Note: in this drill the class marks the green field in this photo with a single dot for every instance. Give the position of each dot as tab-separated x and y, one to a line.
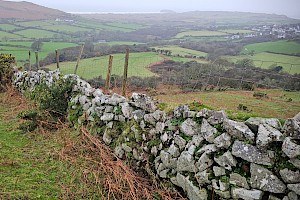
284	47
65	28
176	50
7	27
36	33
199	34
118	43
236	31
8	36
94	67
265	60
276	106
35	23
21	53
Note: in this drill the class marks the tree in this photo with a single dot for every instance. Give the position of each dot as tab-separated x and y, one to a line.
36	45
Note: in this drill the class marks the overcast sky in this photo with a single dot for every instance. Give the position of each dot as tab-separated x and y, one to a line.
290	8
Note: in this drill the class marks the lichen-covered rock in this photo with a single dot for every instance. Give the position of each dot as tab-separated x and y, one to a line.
106	137
144	102
294	187
207	149
126	110
238	180
254	123
291	127
250	153
119	152
207	131
174	151
138	115
267	134
246	194
265	180
149	119
217	117
190	127
197	140
180	142
107	117
223	194
189	114
186	162
223	141
126	148
292	196
295	162
193	192
219	171
290	148
203	163
178	111
203	177
226	160
238	130
289	176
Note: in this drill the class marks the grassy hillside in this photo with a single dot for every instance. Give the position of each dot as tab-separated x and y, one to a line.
290	64
176	50
94	67
285	47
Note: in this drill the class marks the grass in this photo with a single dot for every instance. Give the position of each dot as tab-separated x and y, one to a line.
65	28
21	44
276	106
285	47
119	43
236	31
8	36
199	34
36	33
7	27
38	23
95	67
265	60
176	50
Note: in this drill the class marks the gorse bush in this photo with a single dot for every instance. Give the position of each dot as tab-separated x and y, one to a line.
6	70
54	99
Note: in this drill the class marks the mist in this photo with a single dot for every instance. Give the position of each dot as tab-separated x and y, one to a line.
287	7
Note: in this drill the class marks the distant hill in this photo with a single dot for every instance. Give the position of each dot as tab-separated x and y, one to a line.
27	11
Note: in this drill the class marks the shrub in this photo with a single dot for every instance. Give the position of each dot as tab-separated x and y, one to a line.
260	95
6	70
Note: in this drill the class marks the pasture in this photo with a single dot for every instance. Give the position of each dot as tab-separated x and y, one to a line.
36	33
95	67
8	36
284	47
236	31
199	34
277	105
7	27
290	64
176	50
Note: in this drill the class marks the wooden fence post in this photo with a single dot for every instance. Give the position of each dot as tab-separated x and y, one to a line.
29	57
37	60
125	73
78	59
107	84
57	59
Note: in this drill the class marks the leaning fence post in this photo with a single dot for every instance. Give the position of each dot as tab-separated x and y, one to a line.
125	73
78	59
29	57
37	60
57	59
107	84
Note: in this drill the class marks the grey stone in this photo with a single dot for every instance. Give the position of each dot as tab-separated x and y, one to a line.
226	160
193	192
186	162
190	127
107	117
174	151
267	134
219	171
197	140
290	148
83	99
154	151
136	155
109	109
223	185
238	130
191	149
167	160
159	115
294	187
265	180
254	123
284	198
97	93
295	162
119	151
214	184
126	110
223	194
208	131
160	126
126	148
217	117
250	153
246	194
144	102
115	99
86	106
189	114
292	196
208	149
180	142
203	177
223	141
272	197
106	137
143	125
138	115
204	113
164	173
150	119
89	91
238	180
178	111
289	176
291	127
203	163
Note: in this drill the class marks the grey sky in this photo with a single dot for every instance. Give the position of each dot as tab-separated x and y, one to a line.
290	8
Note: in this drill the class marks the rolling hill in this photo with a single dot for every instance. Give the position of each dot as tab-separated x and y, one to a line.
28	11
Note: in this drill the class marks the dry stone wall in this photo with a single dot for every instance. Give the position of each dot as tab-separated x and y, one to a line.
199	152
